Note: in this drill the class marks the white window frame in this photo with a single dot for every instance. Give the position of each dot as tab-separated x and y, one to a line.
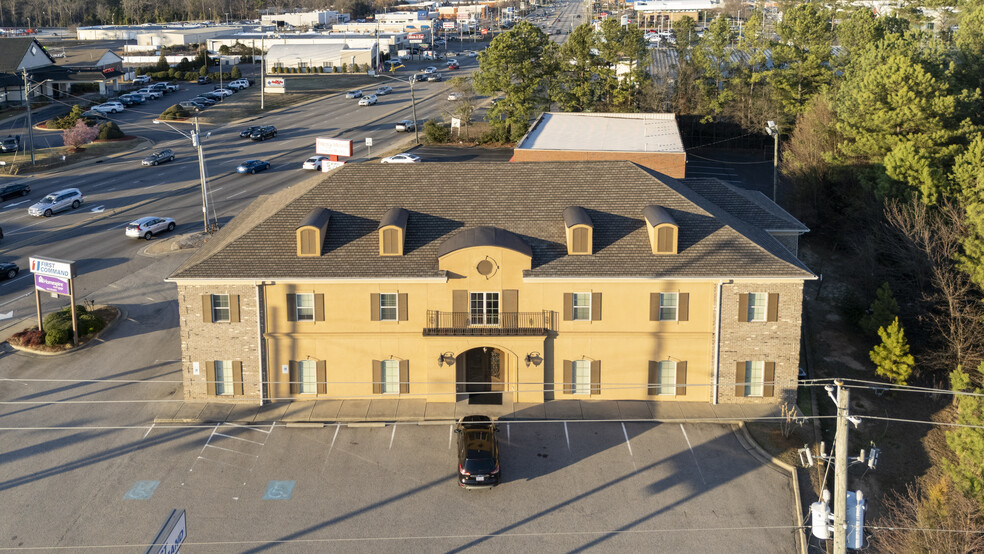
224	382
395	307
664	304
666	378
753	306
581	377
753	386
307	386
488	315
308	310
389	375
585	309
216	309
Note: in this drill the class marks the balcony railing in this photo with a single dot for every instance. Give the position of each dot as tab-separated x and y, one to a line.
489	324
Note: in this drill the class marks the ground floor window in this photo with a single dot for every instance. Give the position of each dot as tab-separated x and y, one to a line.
666	378
307	377
224	385
391	376
581	375
754	378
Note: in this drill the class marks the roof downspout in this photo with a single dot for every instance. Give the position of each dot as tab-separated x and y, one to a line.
716	364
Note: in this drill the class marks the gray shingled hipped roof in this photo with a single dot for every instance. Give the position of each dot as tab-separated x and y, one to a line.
526	199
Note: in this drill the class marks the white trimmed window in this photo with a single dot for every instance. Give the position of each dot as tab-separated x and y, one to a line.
666	377
582	306
758	303
668	304
224	385
220	308
484	308
391	376
581	375
387	307
307	376
754	378
305	306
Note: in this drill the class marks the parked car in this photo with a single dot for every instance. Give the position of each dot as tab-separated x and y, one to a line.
147	227
383	90
245	133
204	80
125	100
8	270
453	96
14	189
94	115
435	77
405	126
134	97
353	94
404	158
368	100
497	100
192	105
159	87
478	452
223	91
109	107
151	93
203	100
141	79
211	95
314	162
56	202
171	86
263	133
166	155
252	166
10	144
238	84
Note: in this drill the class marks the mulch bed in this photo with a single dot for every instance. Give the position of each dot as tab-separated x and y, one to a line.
107	313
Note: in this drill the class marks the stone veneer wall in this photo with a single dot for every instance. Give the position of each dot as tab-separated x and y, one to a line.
777	341
203	342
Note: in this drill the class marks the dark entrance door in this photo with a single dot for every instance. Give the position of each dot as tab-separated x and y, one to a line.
483	376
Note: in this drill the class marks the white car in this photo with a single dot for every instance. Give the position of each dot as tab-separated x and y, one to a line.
452	61
354	94
430	69
314	162
56	202
452	96
368	100
149	93
110	107
404	158
147	227
223	92
383	90
472	53
141	79
238	84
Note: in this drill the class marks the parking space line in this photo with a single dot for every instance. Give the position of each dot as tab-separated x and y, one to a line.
568	437
238	439
508	435
392	436
231	450
627	443
149	429
450	435
335	436
694	454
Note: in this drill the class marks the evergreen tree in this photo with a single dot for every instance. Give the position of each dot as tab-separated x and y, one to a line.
967	443
859	29
712	59
968	184
883	310
891	358
236	73
801	57
575	89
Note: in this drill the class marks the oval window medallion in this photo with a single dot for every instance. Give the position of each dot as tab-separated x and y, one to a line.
486	267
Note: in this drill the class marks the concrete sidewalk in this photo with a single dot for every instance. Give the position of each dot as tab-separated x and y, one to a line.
319	412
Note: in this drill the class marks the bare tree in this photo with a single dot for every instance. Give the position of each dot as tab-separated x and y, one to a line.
942	521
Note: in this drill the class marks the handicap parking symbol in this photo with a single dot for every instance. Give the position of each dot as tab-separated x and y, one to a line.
279	490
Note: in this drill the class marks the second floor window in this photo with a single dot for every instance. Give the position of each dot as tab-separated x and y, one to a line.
388	307
220	307
484	308
758	303
582	306
305	307
668	302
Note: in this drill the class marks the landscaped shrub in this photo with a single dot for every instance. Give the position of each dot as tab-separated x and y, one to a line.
344	68
54	337
110	130
203	71
235	73
175	112
435	131
90	323
29	337
68	120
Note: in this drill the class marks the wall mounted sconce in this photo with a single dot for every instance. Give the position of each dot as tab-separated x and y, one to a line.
445	358
534	358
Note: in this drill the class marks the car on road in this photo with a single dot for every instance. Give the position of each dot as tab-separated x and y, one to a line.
498	99
368	100
14	189
405	126
245	133
404	158
223	91
141	79
252	166
452	96
56	202
238	84
314	162
150	93
110	107
353	94
147	227
10	144
204	80
8	270
383	90
471	53
478	452
453	65
263	133
166	155
435	77
430	69
418	77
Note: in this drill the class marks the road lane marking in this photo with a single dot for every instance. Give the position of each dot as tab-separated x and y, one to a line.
332	445
18	298
694	454
626	433
237	194
149	429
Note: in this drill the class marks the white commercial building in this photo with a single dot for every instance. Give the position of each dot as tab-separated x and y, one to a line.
304	19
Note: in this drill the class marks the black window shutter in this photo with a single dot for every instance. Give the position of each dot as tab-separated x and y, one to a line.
291	307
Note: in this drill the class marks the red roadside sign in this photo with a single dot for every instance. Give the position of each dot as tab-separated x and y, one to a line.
415	36
485	31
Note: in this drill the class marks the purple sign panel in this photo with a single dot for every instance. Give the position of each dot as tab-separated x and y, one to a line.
51	284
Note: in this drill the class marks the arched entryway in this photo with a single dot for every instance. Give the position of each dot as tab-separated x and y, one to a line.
481	375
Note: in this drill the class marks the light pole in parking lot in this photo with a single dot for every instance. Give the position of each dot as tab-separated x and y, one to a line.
413	103
773	131
27	102
196	141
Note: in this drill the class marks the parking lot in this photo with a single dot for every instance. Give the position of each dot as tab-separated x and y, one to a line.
573	486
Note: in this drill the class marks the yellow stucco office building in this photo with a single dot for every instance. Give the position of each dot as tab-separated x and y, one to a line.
497	283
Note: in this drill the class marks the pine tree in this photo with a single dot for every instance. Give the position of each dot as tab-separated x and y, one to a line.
883	310
891	357
967	443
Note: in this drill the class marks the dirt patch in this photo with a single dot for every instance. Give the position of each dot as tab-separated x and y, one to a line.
246	104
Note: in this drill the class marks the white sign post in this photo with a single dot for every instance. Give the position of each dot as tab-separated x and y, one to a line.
369	146
61	275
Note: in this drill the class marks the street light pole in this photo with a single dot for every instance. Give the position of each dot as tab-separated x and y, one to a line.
196	141
30	124
413	105
773	130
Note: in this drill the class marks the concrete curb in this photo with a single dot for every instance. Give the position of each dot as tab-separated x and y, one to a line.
120	313
753	448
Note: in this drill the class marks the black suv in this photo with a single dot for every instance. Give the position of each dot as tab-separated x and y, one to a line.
263	133
478	452
14	189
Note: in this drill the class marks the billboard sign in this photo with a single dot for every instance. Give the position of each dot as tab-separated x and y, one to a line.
416	36
448	24
485	31
52	267
332	147
57	285
275	82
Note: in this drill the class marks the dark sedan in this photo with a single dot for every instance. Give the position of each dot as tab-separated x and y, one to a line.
263	133
478	452
248	131
8	270
14	189
252	166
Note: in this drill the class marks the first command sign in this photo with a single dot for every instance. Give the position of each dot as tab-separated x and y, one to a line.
52	267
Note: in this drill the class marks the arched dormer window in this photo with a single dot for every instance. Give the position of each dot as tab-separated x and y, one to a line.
310	234
580	231
392	232
663	230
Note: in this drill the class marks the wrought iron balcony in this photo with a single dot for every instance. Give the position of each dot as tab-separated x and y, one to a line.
463	324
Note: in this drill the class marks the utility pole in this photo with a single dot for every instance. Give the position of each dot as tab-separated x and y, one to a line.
196	140
413	106
30	124
262	69
840	471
